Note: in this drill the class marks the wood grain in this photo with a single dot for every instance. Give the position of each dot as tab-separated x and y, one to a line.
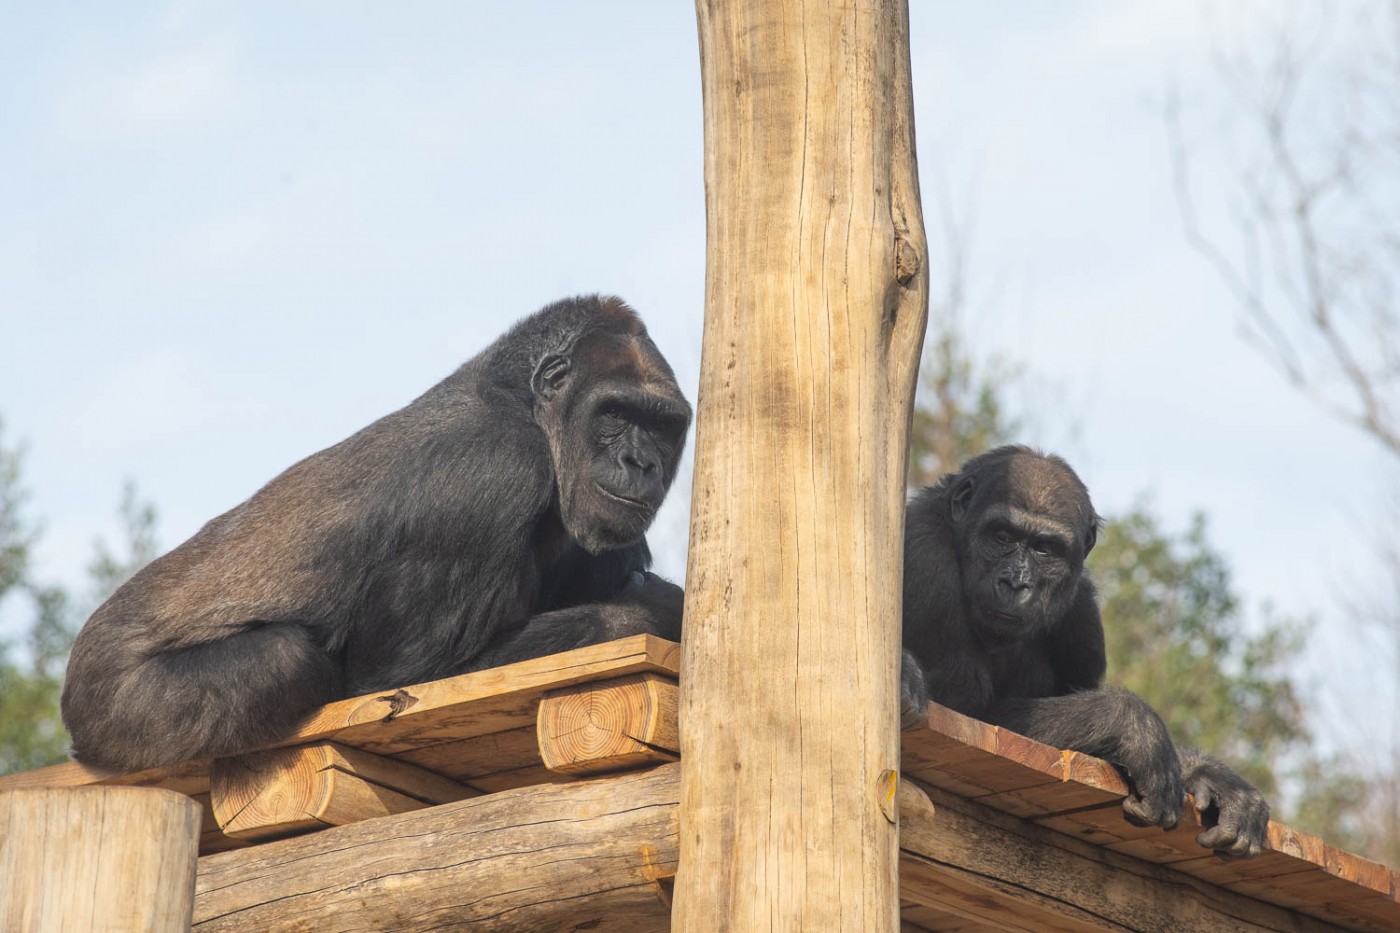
610	725
118	859
815	306
587	855
284	791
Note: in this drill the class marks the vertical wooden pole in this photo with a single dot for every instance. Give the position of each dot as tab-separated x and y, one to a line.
816	301
119	859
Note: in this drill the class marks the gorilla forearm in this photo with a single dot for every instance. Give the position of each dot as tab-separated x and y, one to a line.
1114	725
650	606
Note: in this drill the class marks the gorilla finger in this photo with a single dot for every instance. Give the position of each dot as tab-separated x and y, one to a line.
1142	811
912	716
1240	848
1202	797
1223	836
1138	812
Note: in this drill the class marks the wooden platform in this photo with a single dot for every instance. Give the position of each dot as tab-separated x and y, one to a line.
543	795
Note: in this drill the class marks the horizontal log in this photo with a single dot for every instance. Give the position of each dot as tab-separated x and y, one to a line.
990	867
599	853
587	855
284	791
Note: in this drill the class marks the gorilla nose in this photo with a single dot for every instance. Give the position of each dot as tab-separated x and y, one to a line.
640	462
1014	588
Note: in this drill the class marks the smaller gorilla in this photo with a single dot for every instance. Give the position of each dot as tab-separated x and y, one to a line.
498	517
1001	623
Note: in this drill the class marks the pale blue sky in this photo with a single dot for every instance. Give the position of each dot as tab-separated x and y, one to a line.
233	233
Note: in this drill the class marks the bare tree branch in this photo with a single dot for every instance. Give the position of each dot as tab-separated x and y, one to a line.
1317	267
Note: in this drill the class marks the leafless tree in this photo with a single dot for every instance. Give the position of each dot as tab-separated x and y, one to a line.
1309	154
1306	160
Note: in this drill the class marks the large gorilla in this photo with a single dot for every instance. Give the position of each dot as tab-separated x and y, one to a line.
1001	623
498	517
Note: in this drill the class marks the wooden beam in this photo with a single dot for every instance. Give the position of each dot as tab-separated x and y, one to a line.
610	725
285	791
988	866
1081	798
815	307
416	717
97	858
480	703
588	855
598	855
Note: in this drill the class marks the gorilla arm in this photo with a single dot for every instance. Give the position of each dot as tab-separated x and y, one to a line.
647	604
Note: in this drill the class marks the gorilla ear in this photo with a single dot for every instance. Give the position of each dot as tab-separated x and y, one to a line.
1091	537
549	376
962	494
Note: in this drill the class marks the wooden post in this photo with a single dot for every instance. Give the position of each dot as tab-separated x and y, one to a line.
815	307
97	858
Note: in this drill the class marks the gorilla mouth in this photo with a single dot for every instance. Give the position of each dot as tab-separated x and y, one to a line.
1008	623
628	501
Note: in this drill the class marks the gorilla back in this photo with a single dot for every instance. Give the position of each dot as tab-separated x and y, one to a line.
499	516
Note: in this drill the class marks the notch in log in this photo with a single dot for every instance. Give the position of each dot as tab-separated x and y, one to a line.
609	725
286	791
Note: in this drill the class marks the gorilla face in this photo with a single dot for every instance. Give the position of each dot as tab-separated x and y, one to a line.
1022	534
616	424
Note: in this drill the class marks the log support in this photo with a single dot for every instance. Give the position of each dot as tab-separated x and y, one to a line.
285	791
815	307
97	858
600	855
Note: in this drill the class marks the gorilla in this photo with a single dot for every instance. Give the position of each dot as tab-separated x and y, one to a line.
500	516
1001	623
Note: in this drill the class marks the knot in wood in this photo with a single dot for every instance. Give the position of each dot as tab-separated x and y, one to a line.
906	261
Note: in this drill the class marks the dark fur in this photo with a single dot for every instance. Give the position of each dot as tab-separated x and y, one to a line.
1007	629
498	517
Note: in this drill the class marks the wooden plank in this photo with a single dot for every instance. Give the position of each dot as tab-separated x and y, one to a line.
469	760
480	703
190	777
1009	771
915	918
284	791
609	725
964	756
588	855
119	859
1012	872
420	715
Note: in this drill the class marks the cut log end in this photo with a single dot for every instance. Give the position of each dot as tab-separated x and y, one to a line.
609	726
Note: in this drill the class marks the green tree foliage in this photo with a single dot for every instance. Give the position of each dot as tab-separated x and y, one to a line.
31	680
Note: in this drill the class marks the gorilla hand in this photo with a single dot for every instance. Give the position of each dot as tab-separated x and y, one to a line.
1235	814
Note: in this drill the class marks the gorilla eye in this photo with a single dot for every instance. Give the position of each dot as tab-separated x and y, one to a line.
1002	536
611	421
